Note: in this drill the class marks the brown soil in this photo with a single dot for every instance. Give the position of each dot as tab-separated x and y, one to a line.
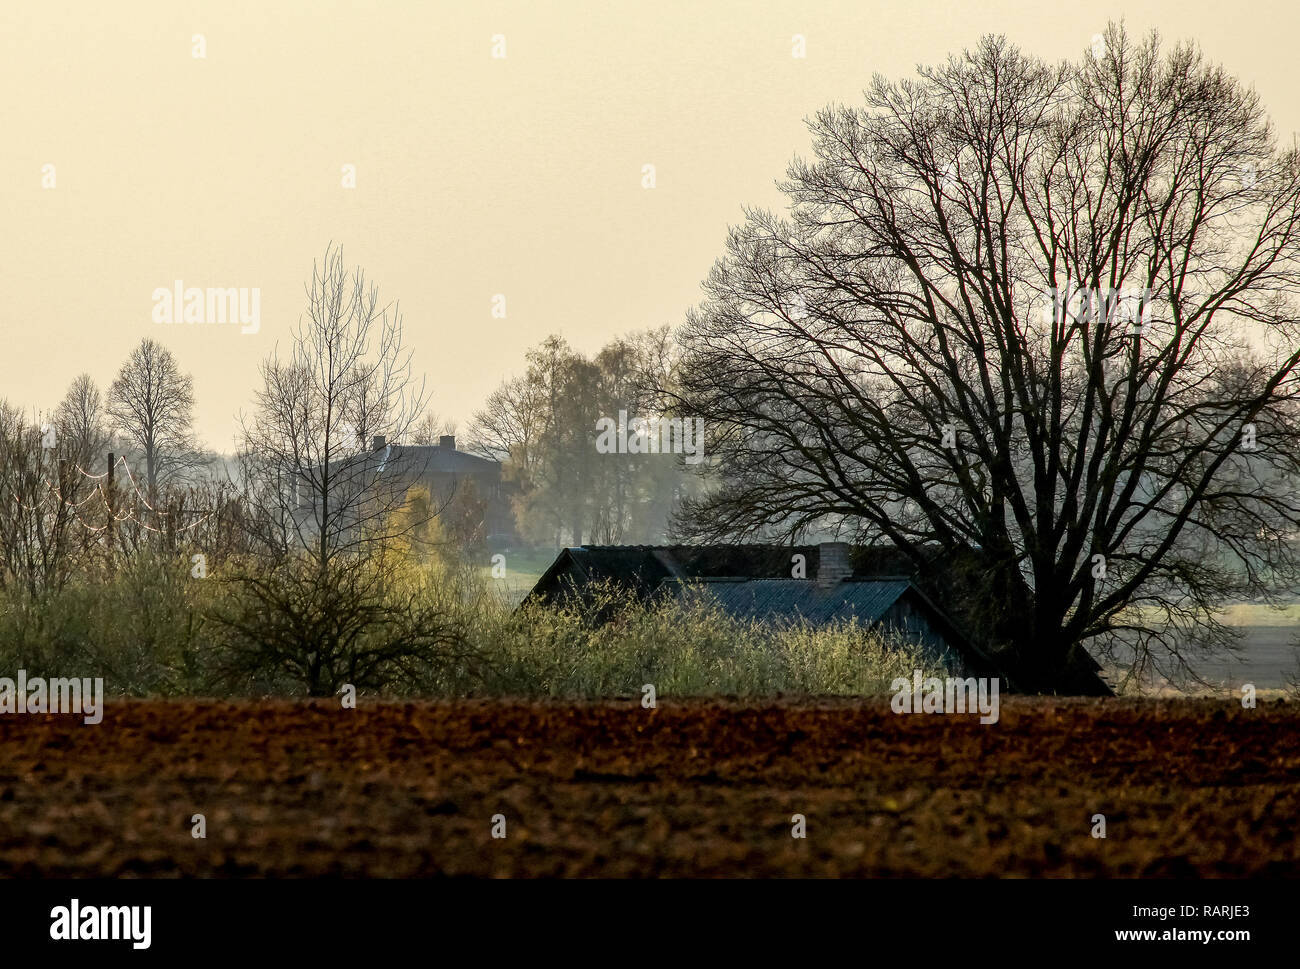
692	788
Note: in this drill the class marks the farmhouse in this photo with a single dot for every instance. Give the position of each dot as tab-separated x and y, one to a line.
769	584
442	470
819	584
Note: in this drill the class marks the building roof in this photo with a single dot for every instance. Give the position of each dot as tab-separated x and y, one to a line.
775	600
433	459
643	568
418	460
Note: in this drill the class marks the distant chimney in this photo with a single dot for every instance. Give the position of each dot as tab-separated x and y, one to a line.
833	565
377	442
447	442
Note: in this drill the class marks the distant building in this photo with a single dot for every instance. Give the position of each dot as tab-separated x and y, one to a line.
447	474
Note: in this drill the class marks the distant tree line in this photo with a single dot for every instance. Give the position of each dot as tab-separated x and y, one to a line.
541	426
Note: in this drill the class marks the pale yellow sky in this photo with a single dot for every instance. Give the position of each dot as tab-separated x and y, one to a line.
474	175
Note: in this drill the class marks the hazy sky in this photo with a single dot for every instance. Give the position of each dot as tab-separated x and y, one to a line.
474	175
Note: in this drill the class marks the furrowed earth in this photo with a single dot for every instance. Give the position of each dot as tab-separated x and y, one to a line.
691	788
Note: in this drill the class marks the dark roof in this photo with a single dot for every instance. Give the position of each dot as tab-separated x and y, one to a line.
433	459
418	460
866	600
644	568
649	565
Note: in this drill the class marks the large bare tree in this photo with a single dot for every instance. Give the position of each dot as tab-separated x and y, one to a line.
1038	317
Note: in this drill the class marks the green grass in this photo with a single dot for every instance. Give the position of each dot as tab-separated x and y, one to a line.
145	630
523	568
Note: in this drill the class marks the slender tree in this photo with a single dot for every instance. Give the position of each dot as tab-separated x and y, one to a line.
151	404
323	598
80	419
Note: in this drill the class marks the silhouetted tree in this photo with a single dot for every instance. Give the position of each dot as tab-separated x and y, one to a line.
1040	315
151	403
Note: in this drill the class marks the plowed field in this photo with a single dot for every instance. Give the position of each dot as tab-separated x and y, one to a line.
692	788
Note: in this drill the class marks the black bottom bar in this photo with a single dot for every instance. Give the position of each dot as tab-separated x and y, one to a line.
607	919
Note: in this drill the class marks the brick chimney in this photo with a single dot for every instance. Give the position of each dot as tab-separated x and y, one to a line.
833	565
447	442
377	442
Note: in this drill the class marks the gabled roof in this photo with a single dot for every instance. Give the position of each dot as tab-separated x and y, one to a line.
868	601
417	460
644	567
441	460
769	600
